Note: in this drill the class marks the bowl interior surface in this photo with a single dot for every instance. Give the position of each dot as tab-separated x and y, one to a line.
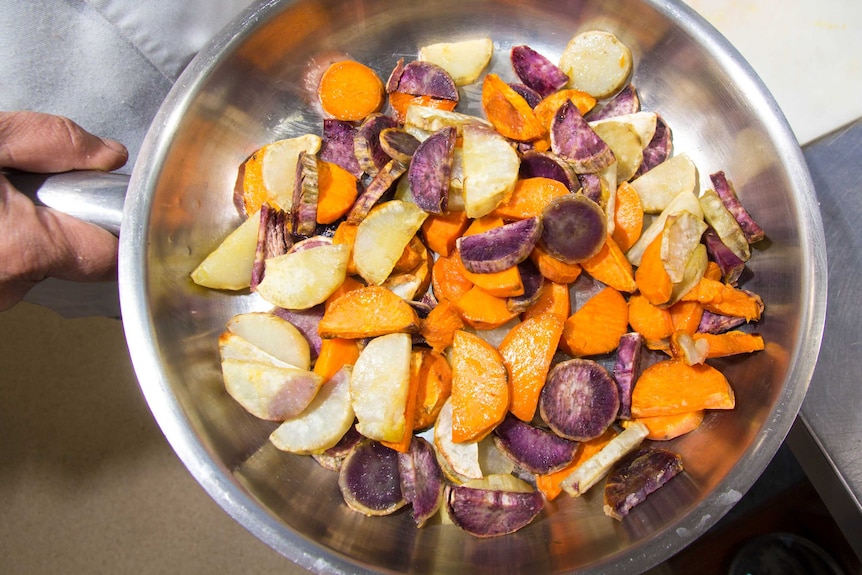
255	84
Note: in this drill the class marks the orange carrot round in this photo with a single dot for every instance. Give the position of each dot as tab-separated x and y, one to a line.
671	387
350	91
433	385
337	192
597	327
529	198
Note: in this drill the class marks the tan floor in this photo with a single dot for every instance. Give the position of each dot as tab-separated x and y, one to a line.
88	484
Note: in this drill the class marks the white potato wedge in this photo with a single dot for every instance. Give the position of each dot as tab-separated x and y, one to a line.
501	482
596	63
694	270
431	120
464	60
303	279
684	201
593	469
379	385
459	461
229	265
278	167
233	346
325	421
724	224
664	182
644	123
274	335
382	236
626	145
490	170
681	235
270	391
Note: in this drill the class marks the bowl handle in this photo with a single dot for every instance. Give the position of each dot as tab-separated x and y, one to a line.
89	195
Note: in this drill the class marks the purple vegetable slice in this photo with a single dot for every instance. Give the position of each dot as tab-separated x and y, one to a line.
305	195
331	458
533	281
625	102
531	96
398	144
717	323
306	321
536	71
369	479
731	265
431	169
422	480
580	399
422	78
548	165
627	369
591	187
637	475
753	232
378	186
273	239
534	449
659	148
574	228
574	140
337	145
366	143
490	513
500	248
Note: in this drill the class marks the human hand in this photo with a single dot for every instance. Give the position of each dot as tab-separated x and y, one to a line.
38	242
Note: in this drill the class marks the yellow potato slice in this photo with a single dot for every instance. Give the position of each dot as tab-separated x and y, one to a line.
382	236
663	183
229	265
379	385
596	63
490	170
303	279
274	335
464	60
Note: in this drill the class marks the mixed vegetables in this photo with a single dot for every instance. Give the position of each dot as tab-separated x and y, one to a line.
472	315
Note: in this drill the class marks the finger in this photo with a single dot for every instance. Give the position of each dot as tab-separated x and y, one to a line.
36	142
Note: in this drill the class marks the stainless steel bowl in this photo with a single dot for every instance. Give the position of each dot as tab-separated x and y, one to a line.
249	87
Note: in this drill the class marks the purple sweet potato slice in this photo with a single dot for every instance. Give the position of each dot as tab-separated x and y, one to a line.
305	195
591	186
536	71
717	323
331	458
306	321
580	399
422	480
731	265
337	145
273	239
637	475
310	242
431	169
625	102
366	143
398	144
753	232
548	165
421	78
574	140
370	480
659	148
531	96
627	369
490	513
533	281
500	248
532	448
379	185
574	228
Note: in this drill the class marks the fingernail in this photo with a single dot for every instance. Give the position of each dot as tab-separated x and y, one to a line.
116	146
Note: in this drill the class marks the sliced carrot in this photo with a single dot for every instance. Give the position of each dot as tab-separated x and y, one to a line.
685	316
483	311
349	90
651	276
549	484
508	111
527	352
553	269
401	101
337	192
434	385
441	231
671	387
447	279
403	445
611	267
480	388
725	299
628	216
554	299
483	224
651	321
713	271
547	108
254	193
334	354
667	427
730	343
369	311
414	254
439	326
350	283
504	283
597	327
345	234
529	198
